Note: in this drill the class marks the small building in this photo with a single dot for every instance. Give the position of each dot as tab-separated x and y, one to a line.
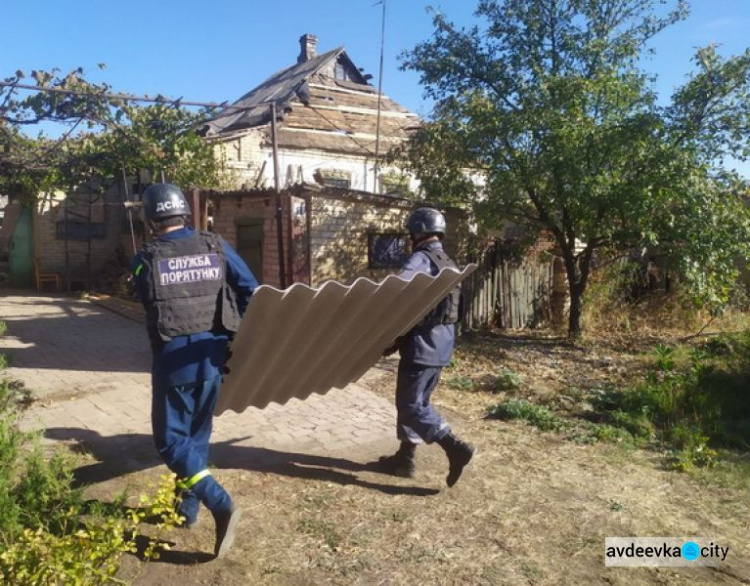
325	233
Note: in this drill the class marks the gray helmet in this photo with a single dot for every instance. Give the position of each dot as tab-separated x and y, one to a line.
426	221
163	200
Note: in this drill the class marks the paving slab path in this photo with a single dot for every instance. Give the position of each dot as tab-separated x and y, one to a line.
86	363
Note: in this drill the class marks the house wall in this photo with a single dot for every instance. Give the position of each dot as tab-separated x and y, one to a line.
339	236
245	156
340	225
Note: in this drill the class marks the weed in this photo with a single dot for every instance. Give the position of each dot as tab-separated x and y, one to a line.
47	533
320	529
536	415
694	401
505	381
461	383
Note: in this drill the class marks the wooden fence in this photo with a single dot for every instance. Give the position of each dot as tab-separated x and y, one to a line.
506	293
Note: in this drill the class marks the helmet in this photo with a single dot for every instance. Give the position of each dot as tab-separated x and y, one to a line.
426	221
163	200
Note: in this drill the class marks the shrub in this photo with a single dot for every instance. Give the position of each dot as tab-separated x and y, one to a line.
47	533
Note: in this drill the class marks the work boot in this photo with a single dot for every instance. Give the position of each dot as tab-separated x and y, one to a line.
459	455
226	526
401	463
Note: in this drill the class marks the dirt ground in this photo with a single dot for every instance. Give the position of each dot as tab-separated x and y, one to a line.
532	508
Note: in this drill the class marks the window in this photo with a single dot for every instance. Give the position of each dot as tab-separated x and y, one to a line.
386	251
80	230
333	178
336	182
339	72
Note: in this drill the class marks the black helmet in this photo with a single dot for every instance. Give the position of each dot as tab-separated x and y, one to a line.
163	200
426	221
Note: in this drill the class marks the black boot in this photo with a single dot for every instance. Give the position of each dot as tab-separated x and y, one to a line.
401	463
459	455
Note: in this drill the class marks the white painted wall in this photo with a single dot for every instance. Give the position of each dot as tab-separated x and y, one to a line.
245	155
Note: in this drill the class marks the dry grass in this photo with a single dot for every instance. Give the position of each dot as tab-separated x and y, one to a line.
533	508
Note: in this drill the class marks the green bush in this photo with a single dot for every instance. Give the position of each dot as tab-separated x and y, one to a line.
48	534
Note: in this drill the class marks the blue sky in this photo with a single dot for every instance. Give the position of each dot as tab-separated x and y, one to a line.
213	52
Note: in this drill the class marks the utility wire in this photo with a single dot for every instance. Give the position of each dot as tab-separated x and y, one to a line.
124	97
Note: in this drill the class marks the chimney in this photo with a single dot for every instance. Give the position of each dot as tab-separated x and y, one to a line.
308	43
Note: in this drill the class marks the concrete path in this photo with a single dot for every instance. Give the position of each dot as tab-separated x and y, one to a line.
87	364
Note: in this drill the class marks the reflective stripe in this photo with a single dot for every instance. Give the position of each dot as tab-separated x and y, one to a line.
138	269
194	479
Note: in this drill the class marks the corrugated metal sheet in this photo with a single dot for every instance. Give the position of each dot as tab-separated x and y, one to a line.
305	340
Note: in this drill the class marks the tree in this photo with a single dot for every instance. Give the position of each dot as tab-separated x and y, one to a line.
547	102
107	135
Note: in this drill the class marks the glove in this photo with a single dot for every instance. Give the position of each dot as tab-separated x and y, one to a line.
395	347
226	369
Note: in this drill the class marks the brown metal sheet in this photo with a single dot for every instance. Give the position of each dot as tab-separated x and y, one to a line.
303	340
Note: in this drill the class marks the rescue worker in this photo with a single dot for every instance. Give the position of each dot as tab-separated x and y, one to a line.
195	289
424	351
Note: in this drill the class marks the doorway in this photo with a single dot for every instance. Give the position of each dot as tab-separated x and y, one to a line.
250	244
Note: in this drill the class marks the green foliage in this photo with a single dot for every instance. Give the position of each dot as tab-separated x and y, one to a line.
694	401
48	534
106	137
545	102
461	383
693	406
505	381
536	415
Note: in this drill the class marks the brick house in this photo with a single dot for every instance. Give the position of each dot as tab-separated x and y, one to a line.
330	126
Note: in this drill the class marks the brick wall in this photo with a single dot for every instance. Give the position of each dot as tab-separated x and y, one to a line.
339	236
339	224
230	210
60	255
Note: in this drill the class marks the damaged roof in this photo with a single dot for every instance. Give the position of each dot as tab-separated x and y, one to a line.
326	103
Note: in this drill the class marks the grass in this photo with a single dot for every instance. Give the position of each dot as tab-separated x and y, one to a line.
693	401
536	415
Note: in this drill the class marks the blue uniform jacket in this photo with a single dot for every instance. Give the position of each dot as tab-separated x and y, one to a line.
187	359
426	345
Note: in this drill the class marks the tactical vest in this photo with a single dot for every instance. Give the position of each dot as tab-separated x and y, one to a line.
187	289
447	311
